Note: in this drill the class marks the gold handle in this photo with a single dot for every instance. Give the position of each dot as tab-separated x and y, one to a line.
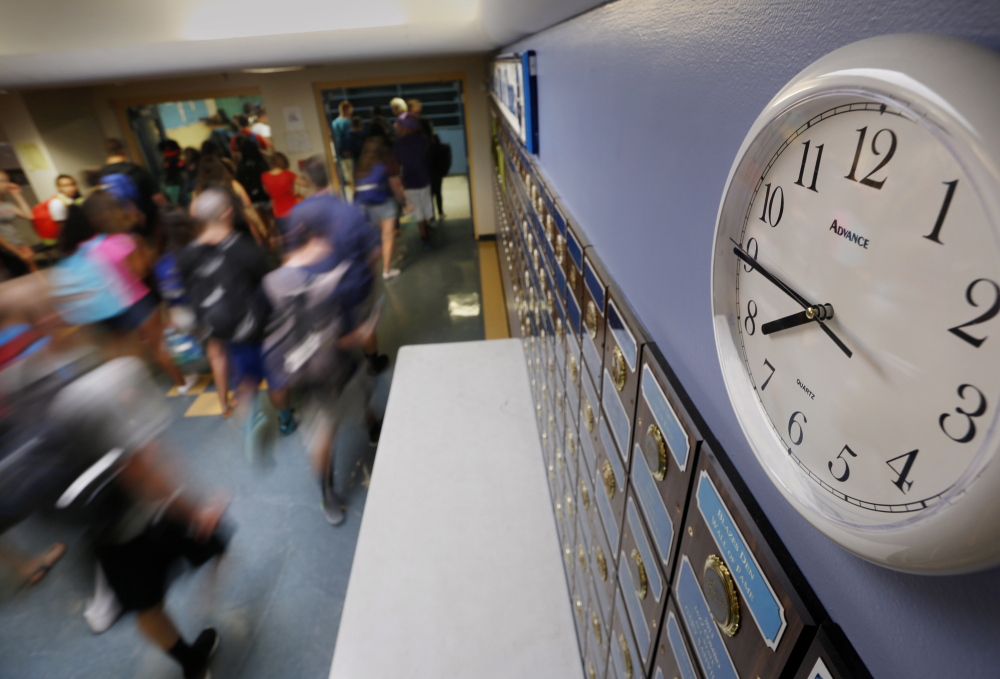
640	574
597	628
655	440
619	369
588	416
585	494
608	474
628	656
591	319
602	564
581	556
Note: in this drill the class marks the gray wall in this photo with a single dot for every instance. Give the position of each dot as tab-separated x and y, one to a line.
643	105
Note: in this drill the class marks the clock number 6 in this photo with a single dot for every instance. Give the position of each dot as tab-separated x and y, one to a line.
980	409
796	438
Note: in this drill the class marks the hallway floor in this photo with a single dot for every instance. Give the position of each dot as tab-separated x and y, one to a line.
277	596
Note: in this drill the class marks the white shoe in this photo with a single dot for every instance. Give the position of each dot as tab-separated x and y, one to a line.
391	273
103	610
189	382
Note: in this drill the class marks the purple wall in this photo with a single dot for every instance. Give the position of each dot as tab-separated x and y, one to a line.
643	106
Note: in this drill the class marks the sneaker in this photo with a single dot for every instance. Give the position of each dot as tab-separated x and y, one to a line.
203	648
332	510
377	363
256	438
189	382
103	610
374	432
391	273
289	425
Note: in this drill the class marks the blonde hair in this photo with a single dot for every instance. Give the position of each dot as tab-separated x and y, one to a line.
398	105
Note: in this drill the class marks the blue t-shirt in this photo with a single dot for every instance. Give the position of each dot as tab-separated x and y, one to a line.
341	129
411	153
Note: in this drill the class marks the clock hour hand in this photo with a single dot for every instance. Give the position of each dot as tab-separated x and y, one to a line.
753	264
819	312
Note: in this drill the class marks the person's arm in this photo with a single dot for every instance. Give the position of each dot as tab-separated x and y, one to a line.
21	208
257	227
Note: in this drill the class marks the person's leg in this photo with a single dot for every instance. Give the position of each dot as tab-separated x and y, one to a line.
158	627
151	335
282	403
436	195
218	359
388	227
31	570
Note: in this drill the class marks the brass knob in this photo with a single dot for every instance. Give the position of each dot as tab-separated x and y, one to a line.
579	608
581	556
657	444
559	510
720	593
568	555
591	319
628	656
574	370
570	512
588	416
552	473
596	623
584	494
619	369
602	564
639	574
608	474
559	460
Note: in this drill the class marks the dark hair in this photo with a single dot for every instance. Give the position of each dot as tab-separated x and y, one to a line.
191	155
114	147
250	154
65	176
317	172
241	120
212	172
280	160
100	208
373	152
176	229
76	229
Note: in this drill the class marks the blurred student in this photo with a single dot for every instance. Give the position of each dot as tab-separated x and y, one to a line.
378	190
261	125
415	109
20	258
439	164
280	184
213	172
149	196
353	240
341	140
311	339
222	269
410	151
243	133
48	216
377	125
248	173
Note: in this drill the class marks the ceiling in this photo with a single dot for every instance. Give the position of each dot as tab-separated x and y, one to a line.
57	42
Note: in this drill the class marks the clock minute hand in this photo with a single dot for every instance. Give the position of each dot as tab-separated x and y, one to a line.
752	263
820	312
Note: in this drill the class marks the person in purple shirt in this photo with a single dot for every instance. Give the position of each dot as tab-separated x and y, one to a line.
410	152
354	239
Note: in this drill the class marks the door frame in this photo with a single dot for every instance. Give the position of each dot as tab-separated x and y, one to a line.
407	78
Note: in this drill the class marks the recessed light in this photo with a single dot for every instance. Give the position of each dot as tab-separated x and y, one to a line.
274	69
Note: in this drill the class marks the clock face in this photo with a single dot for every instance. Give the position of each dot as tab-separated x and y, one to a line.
856	290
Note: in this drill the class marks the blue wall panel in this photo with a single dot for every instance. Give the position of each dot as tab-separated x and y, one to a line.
642	106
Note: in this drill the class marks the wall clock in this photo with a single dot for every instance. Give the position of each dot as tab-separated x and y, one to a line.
856	299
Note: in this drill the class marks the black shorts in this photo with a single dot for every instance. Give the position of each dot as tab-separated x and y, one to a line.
139	571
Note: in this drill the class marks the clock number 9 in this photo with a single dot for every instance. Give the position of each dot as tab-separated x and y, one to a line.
868	181
749	323
768	210
751	249
980	409
797	438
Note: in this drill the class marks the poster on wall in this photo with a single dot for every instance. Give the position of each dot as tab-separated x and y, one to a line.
515	90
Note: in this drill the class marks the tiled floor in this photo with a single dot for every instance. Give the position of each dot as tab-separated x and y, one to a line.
277	596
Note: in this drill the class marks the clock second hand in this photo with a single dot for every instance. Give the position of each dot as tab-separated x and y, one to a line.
752	263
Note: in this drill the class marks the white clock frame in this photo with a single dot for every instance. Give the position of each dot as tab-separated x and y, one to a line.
952	87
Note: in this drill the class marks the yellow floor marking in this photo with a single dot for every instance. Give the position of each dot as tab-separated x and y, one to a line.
205	405
203	382
494	304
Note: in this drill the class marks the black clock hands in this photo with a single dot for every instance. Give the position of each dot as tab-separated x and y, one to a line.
752	263
820	312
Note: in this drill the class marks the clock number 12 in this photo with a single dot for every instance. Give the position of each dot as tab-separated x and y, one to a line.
867	180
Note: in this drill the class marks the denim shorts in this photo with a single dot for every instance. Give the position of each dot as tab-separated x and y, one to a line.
380	212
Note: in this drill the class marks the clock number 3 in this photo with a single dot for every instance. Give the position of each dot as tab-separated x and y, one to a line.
970	433
867	180
990	313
